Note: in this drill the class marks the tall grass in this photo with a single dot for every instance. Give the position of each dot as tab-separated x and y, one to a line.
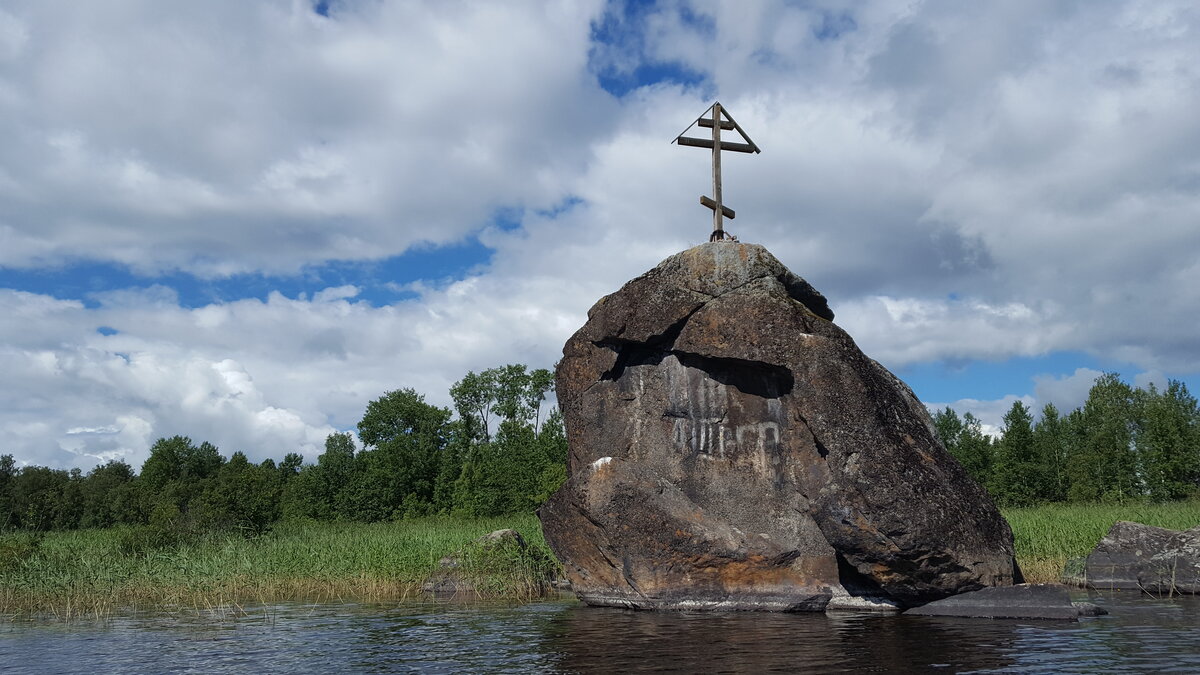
92	572
1046	537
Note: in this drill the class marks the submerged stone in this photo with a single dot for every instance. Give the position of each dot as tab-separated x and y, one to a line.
731	447
1025	601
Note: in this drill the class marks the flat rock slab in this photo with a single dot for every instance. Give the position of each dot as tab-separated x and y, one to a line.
1133	556
1024	601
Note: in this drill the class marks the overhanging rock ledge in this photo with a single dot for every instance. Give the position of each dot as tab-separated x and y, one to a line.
731	447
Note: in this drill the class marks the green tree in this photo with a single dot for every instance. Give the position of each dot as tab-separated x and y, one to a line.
516	472
324	490
1051	447
1080	486
198	462
496	476
177	458
405	438
474	396
508	392
303	496
335	475
8	471
552	443
131	502
949	428
99	493
1104	464
459	439
1168	441
1015	473
512	385
165	463
541	382
242	496
290	466
972	448
37	497
69	511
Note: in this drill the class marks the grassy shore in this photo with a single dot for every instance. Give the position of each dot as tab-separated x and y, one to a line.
1046	537
94	572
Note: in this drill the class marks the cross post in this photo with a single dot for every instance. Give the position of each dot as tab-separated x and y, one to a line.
718	119
718	223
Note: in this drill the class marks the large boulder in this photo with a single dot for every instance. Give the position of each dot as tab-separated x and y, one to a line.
730	447
1133	556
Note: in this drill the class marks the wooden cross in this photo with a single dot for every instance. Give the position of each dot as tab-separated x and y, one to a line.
717	118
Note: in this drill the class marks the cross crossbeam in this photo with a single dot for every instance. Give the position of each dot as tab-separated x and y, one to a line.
717	118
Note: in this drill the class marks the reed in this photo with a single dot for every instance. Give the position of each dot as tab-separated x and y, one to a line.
94	572
1047	536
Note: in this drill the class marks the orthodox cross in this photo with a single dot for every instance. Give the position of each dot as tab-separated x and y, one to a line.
717	118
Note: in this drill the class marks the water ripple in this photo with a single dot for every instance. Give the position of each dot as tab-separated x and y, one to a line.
1140	635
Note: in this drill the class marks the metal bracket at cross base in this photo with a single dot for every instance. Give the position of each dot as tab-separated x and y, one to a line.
717	118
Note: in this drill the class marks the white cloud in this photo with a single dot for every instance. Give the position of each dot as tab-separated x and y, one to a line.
227	137
1066	392
963	181
910	330
265	377
14	35
989	413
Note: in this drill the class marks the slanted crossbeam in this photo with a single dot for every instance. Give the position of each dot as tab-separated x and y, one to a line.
725	210
717	118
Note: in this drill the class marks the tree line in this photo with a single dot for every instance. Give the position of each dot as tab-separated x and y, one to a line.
1123	443
502	453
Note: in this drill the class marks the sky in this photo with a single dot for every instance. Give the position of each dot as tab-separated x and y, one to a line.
241	222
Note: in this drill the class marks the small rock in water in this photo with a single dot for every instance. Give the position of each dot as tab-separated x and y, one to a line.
843	601
448	579
502	536
1024	601
732	448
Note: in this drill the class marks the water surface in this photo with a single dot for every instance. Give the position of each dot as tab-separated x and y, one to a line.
562	636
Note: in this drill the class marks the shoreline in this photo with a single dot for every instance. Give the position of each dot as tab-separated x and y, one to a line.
95	573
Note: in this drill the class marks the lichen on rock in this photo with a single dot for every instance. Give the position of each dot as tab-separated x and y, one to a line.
1134	556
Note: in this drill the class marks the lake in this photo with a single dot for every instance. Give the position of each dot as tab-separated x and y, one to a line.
563	636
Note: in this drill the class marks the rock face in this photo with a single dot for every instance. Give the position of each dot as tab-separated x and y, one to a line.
1133	556
730	447
1026	601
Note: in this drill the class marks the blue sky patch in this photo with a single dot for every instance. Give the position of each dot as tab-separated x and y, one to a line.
377	280
946	382
834	25
562	207
621	83
619	40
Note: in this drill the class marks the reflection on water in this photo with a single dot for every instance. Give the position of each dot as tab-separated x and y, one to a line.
741	643
1141	634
